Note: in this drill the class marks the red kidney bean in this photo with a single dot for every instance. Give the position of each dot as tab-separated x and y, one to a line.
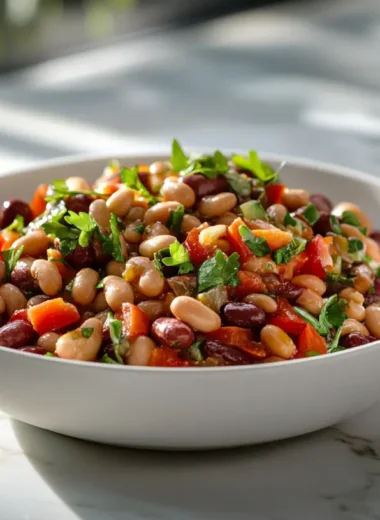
21	276
11	208
225	353
321	202
280	287
34	350
202	186
81	257
101	258
355	340
322	226
79	203
241	314
16	334
375	235
374	295
172	333
144	178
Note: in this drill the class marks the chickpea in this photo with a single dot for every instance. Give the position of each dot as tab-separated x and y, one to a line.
309	281
77	184
277	212
132	234
339	209
160	212
372	320
310	301
114	268
351	325
267	303
210	235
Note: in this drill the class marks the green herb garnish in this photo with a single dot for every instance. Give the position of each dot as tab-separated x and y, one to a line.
312	353
349	217
340	278
17	225
334	345
118	339
108	360
60	191
140	228
253	164
332	315
178	159
86	332
10	259
218	270
311	214
258	245
355	245
239	184
86	225
289	220
177	255
195	351
175	219
130	177
335	225
283	255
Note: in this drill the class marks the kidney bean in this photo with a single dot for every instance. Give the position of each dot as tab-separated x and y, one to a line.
107	349
203	186
172	333
144	178
375	235
280	287
100	257
22	277
16	334
79	203
34	350
11	208
242	314
36	300
321	202
355	340
322	226
81	257
227	354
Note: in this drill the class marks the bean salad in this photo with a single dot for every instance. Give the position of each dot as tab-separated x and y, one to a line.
199	261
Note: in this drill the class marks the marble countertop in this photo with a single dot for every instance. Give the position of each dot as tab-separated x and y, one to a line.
331	475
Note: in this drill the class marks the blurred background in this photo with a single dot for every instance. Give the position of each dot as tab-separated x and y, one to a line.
296	77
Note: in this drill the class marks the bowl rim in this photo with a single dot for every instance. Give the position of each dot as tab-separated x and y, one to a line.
298	162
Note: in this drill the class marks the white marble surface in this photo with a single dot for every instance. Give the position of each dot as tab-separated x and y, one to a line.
329	475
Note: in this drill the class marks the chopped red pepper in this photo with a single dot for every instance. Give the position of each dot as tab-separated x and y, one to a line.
52	315
198	253
236	241
319	259
166	357
232	336
274	193
287	319
135	321
38	204
310	341
250	283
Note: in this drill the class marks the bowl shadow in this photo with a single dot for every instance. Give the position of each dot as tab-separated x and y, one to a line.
301	476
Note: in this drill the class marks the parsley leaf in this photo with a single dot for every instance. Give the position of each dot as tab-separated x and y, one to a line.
140	228
60	191
60	231
175	219
335	225
85	223
311	214
355	245
178	159
17	225
49	354
239	184
258	245
108	360
312	353
334	345
69	286
208	165
178	256
86	332
309	318
117	251
130	177
10	259
218	271
195	351
331	315
348	217
117	337
289	220
254	165
283	255
340	278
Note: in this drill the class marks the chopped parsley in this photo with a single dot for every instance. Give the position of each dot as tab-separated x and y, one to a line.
49	354
140	228
108	360
334	345
175	219
312	353
219	270
258	245
335	225
85	224
283	255
340	278
175	255
130	177
178	159
355	245
10	259
311	214
195	351
86	332
60	191
69	286
118	339
289	220
254	165
349	217
239	184
332	315
17	225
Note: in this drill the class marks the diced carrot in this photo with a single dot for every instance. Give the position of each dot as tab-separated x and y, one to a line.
166	357
135	321
250	283
275	238
52	315
38	204
236	241
8	238
55	256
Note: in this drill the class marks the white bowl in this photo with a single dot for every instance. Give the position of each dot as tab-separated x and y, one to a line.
190	408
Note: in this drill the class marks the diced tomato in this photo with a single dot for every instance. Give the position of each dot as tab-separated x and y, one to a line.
275	238
21	314
236	241
250	283
287	319
319	259
52	315
310	341
7	239
38	204
166	357
198	253
274	193
288	271
135	321
232	336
